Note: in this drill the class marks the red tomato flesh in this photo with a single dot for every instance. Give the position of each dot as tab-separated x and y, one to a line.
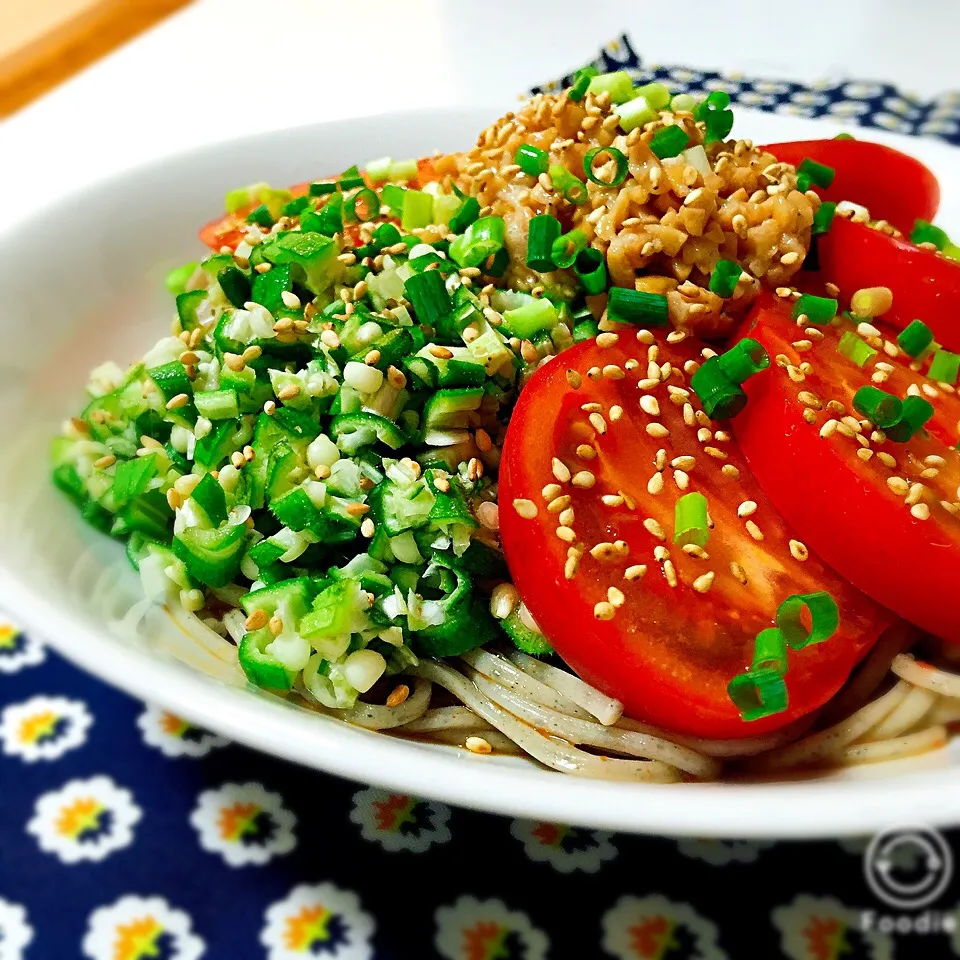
853	507
892	185
678	638
925	285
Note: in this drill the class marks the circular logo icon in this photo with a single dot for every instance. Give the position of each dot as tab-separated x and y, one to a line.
908	867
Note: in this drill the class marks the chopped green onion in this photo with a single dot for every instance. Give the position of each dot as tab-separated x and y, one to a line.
585	330
368	202
844	136
496	266
428	294
531	318
531	160
379	169
581	83
620	161
668	142
543	230
260	216
715	116
824	618
952	251
634	113
483	238
618	85
566	248
721	398
682	103
591	268
818	174
944	367
295	207
322	189
925	232
823	218
467	214
392	196
349	179
915	338
658	96
690	520
725	277
176	280
855	349
758	693
637	306
417	209
567	185
818	310
386	235
916	412
743	360
769	651
883	408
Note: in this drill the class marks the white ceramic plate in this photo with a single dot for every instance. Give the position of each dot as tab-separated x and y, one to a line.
82	282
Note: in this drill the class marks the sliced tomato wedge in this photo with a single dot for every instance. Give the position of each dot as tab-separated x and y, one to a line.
228	230
846	492
892	185
925	284
679	633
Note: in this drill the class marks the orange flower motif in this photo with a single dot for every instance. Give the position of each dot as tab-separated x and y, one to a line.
549	834
79	816
392	811
172	724
307	927
37	726
478	940
823	935
649	937
136	939
235	819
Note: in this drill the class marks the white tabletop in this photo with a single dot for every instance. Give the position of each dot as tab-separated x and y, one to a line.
221	68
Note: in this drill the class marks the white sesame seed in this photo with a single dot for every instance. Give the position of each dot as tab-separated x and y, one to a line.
695	550
657	430
865	453
649	404
574	379
635	572
647	383
754	530
798	550
525	508
681	479
729	470
747	508
921	511
566	517
616	413
558	504
887	460
551	491
644	336
704	582
598	423
612	372
584	479
655	484
616	597
612	500
586	452
809	399
560	470
739	573
607	340
715	452
604	610
566	534
478	745
829	428
592	407
915	494
688	416
669	571
654	528
704	434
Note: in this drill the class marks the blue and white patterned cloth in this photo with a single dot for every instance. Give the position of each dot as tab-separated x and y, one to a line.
128	834
865	103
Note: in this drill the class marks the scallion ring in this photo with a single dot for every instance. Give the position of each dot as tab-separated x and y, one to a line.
619	159
823	613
